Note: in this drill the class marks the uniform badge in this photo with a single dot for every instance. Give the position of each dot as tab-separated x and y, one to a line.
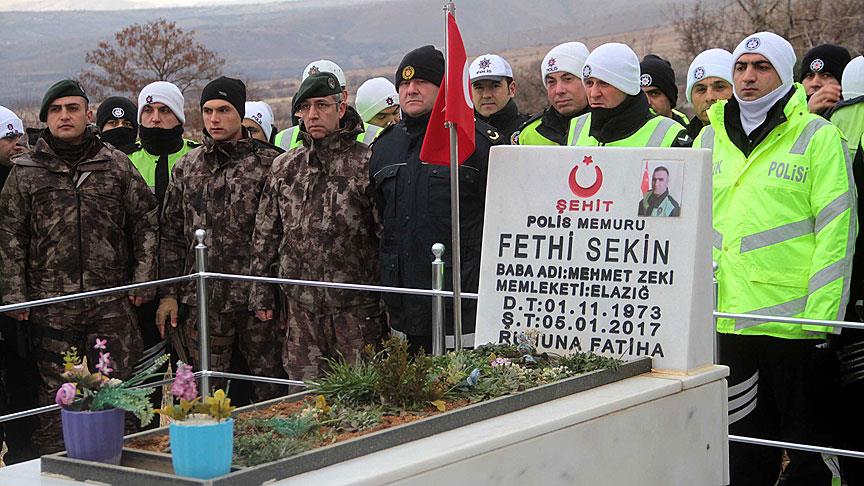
645	80
817	65
484	63
586	72
10	126
331	83
149	99
408	73
753	43
313	70
389	101
514	139
699	73
118	112
492	134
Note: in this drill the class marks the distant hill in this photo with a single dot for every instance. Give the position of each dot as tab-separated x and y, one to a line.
276	40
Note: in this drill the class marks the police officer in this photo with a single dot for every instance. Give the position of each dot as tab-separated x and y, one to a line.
620	115
820	73
259	120
92	220
118	124
784	233
413	202
328	175
493	91
216	187
561	72
378	102
161	118
709	80
12	141
658	83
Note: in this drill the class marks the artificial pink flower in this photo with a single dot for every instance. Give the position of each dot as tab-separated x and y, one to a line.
184	385
104	364
100	343
66	394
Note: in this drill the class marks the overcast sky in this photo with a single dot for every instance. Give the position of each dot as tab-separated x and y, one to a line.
46	5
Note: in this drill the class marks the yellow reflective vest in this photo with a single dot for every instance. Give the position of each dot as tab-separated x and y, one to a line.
656	132
784	223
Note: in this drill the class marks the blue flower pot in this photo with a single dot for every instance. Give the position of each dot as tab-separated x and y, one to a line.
94	436
202	451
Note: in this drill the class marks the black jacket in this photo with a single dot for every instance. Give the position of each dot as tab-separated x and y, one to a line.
413	202
506	120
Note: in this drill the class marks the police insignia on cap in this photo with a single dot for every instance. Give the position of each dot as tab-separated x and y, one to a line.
118	112
699	73
331	83
484	63
408	73
817	65
586	71
10	126
753	43
389	101
645	80
149	99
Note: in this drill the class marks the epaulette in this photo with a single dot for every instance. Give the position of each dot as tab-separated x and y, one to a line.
262	144
192	144
532	119
488	131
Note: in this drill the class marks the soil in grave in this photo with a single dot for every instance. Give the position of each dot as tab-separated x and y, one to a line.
255	444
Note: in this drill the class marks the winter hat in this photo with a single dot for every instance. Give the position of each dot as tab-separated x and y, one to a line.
568	57
228	89
116	108
423	63
66	87
324	66
10	124
615	64
853	79
490	66
316	86
713	63
827	58
658	72
165	93
776	49
373	96
262	114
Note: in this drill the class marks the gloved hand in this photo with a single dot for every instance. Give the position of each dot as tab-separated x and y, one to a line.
167	309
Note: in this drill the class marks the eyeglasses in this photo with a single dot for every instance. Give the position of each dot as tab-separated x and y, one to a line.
319	106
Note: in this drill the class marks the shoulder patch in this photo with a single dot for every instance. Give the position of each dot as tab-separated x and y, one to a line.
514	139
192	144
493	134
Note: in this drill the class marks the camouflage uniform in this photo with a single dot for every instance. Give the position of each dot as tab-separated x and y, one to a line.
316	221
69	229
216	187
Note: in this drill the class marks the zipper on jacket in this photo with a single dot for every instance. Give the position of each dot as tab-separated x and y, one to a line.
80	238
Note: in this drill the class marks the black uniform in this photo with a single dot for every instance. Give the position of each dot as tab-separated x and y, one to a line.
506	120
413	202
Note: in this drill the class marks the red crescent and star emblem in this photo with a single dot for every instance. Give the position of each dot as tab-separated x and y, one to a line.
589	191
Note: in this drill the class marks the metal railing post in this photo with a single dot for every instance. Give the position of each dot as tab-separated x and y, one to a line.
714	267
438	301
203	331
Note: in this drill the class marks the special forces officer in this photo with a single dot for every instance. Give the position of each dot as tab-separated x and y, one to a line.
561	72
216	187
413	202
784	233
75	215
620	115
316	221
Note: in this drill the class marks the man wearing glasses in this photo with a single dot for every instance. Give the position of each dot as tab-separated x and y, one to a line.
316	222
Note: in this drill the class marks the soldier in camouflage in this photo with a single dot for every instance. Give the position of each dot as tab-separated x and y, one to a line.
75	215
216	187
316	221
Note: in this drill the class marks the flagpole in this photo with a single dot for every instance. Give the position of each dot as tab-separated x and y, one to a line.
450	7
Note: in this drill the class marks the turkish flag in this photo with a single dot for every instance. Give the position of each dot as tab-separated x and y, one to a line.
453	104
646	180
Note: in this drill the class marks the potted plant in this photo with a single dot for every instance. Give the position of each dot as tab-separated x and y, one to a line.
201	432
93	405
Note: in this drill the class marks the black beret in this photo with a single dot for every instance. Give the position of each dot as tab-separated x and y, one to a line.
424	63
317	85
67	87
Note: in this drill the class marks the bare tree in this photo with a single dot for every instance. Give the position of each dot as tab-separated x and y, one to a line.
143	53
804	23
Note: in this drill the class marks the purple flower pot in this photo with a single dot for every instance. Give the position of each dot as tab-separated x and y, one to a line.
94	436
